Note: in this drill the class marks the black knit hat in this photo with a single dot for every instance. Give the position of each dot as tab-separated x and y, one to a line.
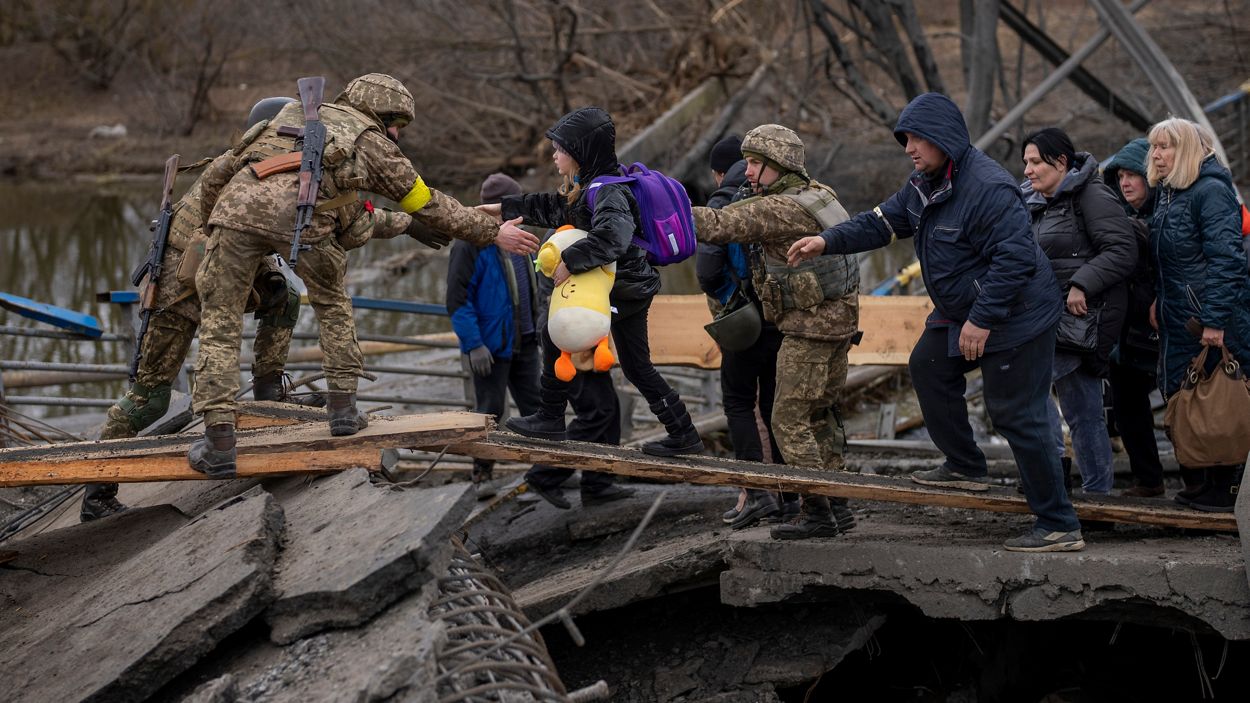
726	153
498	185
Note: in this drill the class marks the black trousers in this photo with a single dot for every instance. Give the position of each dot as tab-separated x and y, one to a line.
746	377
598	420
1017	396
1130	399
518	374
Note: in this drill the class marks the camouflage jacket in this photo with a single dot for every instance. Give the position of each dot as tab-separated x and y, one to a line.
774	222
358	157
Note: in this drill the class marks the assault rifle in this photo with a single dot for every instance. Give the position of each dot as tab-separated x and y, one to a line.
152	267
311	91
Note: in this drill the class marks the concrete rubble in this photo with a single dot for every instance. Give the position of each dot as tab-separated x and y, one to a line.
352	548
121	630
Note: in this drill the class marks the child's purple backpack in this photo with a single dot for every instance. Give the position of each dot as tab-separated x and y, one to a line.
667	225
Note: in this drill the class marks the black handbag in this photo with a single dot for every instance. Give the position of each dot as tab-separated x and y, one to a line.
1078	334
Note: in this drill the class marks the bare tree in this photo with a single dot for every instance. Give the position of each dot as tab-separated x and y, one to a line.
978	20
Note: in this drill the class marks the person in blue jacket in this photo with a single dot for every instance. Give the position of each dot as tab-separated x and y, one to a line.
1200	277
492	302
996	306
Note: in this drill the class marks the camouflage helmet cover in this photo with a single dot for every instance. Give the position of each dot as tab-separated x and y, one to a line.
777	144
381	97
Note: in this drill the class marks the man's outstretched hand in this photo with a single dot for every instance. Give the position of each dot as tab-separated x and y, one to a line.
515	240
804	249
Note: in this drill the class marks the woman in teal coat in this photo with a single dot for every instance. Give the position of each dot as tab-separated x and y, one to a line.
1202	274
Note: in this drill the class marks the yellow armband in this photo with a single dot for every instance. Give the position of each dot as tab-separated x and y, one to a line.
416	198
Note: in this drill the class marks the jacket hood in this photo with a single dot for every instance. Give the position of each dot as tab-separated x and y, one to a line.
1084	169
589	136
1212	168
735	176
1132	157
938	120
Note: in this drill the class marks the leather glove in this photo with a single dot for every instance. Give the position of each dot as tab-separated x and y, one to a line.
432	239
481	361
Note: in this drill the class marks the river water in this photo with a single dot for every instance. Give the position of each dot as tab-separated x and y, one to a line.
62	243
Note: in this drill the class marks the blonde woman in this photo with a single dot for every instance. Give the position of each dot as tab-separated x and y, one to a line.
1195	240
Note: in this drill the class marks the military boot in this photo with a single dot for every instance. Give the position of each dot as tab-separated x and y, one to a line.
815	520
345	419
682	437
214	455
274	386
548	422
100	500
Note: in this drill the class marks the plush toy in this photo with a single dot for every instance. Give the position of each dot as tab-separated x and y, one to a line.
580	315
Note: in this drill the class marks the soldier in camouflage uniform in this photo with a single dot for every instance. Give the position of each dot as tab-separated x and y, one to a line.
251	217
816	308
174	322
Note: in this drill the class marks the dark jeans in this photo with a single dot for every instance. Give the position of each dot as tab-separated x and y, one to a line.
598	420
1017	396
1130	397
747	377
518	374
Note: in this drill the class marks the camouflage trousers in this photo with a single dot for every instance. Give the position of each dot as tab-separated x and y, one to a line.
810	377
165	348
224	281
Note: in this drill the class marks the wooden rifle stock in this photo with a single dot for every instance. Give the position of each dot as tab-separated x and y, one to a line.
311	93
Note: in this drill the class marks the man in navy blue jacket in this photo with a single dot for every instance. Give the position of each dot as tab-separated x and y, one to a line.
493	307
996	305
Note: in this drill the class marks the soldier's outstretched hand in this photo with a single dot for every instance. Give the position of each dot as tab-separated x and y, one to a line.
804	249
515	240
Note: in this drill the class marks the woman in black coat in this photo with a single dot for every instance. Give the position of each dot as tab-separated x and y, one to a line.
1089	240
584	146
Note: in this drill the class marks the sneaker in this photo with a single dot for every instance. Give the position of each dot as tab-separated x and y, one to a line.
606	495
1142	492
806	526
943	477
96	508
1039	540
759	505
554	495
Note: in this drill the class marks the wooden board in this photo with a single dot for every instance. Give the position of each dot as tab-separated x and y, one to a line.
301	448
728	472
891	326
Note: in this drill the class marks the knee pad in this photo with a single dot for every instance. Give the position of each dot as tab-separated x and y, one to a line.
143	405
283	314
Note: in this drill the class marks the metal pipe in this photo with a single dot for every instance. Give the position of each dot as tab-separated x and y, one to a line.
58	366
58	402
389	339
50	334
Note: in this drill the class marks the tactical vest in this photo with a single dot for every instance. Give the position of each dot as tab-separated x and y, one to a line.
819	279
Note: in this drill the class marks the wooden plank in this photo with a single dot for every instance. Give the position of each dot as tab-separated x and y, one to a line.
891	326
279	448
729	472
174	468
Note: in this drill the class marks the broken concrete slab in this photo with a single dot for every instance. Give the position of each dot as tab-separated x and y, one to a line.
120	633
954	568
1242	509
391	659
661	568
48	566
352	548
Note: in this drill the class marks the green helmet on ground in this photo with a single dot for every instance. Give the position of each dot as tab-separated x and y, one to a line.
380	97
777	145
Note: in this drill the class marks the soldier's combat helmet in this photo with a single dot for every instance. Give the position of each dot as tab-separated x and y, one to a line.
266	109
382	98
777	145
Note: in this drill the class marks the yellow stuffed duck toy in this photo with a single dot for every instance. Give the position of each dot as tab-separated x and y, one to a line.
580	315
